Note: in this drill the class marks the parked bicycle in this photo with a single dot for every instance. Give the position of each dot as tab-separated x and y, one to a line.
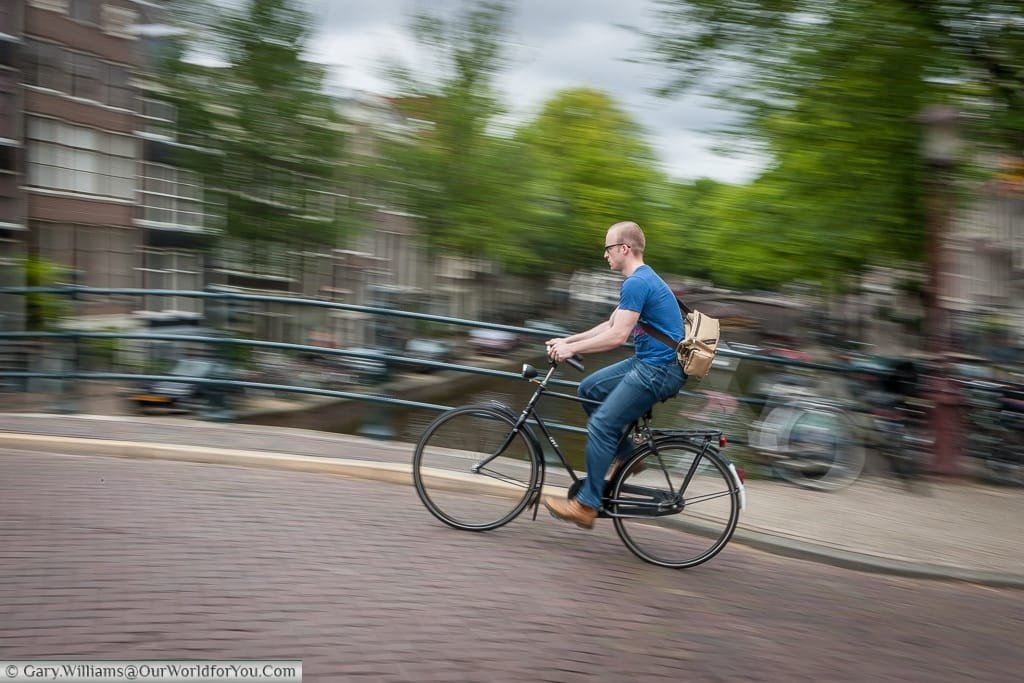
674	501
807	440
889	394
815	439
995	430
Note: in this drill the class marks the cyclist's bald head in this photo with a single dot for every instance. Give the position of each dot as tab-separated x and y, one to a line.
629	233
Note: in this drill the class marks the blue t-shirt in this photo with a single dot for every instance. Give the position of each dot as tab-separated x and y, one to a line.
647	294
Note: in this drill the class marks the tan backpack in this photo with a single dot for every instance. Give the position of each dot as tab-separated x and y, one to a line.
696	350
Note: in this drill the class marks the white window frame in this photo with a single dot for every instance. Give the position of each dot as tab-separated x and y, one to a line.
118	21
171	197
81	160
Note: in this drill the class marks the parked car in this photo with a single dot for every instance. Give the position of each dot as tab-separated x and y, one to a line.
436	350
492	342
184	394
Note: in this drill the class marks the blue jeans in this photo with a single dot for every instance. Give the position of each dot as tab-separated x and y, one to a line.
626	390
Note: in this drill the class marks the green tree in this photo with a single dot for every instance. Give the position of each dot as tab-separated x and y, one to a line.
689	222
260	132
830	90
461	179
43	311
592	168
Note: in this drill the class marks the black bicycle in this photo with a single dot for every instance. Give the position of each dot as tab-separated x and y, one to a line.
675	500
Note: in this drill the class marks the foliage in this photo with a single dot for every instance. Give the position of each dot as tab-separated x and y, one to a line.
592	168
830	90
43	311
461	181
258	130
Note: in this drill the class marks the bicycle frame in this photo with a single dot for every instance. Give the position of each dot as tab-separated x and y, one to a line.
643	435
676	503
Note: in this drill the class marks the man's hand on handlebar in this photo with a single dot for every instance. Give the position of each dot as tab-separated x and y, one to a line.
559	352
558	349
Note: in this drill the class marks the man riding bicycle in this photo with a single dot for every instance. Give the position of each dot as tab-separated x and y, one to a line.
627	389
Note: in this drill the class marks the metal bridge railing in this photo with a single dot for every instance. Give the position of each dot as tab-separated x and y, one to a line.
70	371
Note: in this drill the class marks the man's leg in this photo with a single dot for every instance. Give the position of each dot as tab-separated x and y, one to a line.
633	393
597	386
628	400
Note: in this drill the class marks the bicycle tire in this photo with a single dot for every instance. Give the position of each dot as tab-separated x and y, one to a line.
694	524
454	490
820	448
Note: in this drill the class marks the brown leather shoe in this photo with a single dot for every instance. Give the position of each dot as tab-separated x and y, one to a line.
571	510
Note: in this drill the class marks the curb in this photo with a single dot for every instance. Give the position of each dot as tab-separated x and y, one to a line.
795	548
400	473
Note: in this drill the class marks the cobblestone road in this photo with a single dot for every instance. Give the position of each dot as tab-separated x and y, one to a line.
120	559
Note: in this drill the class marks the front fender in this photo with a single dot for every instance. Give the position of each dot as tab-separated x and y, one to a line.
531	437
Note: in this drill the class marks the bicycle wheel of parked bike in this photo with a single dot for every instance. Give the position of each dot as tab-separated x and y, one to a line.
675	508
472	471
819	448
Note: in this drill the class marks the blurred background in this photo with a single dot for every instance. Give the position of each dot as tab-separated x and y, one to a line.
874	206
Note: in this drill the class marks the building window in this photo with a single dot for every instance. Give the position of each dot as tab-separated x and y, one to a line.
171	196
104	256
47	65
172	269
85	11
85	76
7	52
120	93
9	14
117	21
8	108
159	117
8	158
79	159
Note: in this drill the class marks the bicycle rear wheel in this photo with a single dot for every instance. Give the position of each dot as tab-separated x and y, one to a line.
472	471
675	508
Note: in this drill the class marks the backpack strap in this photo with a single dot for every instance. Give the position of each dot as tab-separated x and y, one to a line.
663	338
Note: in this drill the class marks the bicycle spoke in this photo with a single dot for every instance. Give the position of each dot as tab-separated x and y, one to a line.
669	527
502	477
472	471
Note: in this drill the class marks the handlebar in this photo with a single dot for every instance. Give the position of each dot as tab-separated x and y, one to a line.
575	361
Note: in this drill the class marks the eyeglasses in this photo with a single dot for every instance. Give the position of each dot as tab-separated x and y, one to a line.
617	244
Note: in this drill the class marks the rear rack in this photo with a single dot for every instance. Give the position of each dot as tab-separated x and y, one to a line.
689	433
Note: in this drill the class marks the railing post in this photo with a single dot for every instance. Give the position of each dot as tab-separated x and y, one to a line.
218	406
68	402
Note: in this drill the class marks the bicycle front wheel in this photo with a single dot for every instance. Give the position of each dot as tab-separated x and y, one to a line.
473	471
675	508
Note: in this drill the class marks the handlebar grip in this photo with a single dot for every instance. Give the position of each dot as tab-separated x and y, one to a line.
575	362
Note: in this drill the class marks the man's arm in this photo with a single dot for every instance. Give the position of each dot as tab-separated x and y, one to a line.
608	335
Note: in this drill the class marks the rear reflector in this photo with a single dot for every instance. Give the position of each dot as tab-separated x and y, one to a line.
722	441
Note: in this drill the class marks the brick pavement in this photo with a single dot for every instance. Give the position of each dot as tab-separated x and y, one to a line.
151	559
955	529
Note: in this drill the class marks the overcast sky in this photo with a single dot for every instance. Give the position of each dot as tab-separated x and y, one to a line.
554	44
